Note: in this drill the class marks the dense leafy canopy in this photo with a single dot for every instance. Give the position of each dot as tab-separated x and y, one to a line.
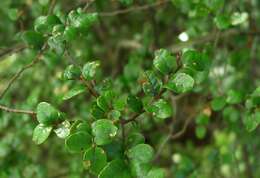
129	89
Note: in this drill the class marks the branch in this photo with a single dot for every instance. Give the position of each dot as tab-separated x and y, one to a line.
133	118
4	108
19	73
90	87
88	4
133	9
185	126
207	38
10	51
51	7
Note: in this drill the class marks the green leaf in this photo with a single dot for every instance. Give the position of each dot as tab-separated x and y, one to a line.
82	21
58	29
33	39
252	120
70	33
234	97
47	114
97	112
85	21
200	132
115	169
120	103
135	103
255	97
13	13
195	60
114	115
63	129
222	21
44	24
95	159
104	131
156	173
141	153
71	72
152	84
103	103
90	69
76	90
78	142
164	61
114	150
57	43
202	119
180	83
139	169
162	109
84	127
41	133
218	103
135	139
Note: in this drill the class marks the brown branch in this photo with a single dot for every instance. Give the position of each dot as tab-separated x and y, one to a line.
4	108
185	126
19	73
10	51
88	4
133	9
204	39
51	7
133	118
90	87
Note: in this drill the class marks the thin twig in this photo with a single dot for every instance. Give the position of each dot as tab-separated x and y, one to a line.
185	126
19	73
123	135
133	118
12	50
133	9
4	108
90	88
171	125
88	4
51	7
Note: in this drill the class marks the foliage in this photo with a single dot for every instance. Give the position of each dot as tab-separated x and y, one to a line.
129	89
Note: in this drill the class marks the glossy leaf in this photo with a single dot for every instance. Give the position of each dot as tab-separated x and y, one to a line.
195	60
141	153
47	114
135	139
63	129
71	72
162	109
41	133
90	69
76	90
135	103
156	173
180	83
152	84
104	131
44	24
115	169
95	159
164	61
78	141
33	39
